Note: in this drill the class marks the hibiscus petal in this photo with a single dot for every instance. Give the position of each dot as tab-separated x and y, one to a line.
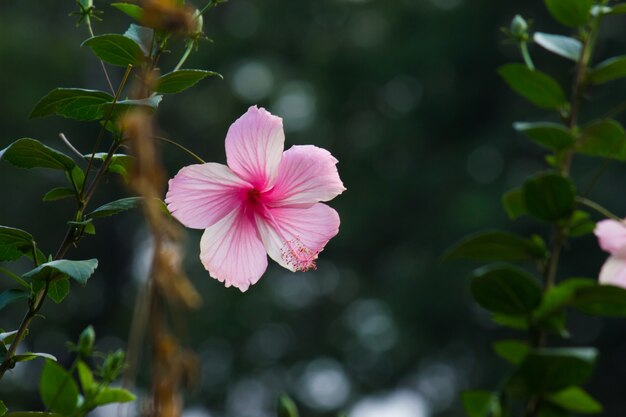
294	236
232	252
254	147
613	272
306	175
612	236
200	195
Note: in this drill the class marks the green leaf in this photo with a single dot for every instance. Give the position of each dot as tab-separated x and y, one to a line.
113	395
3	409
115	49
619	8
512	322
30	153
115	207
480	404
142	36
32	414
286	407
581	224
85	376
180	80
549	196
120	163
537	87
57	290
496	245
121	107
572	13
29	356
72	103
603	138
513	351
59	193
130	9
564	46
600	300
513	202
609	70
57	389
14	243
79	271
559	296
575	399
10	296
553	369
549	135
505	289
76	177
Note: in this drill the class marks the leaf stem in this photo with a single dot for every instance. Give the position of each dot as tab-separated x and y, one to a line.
71	147
181	147
523	46
597	207
185	56
104	68
14	277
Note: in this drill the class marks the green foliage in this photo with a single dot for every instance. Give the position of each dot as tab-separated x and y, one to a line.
549	135
120	163
537	87
513	203
29	356
603	138
132	10
123	106
505	289
30	153
511	350
575	399
113	395
600	300
564	46
142	36
10	296
572	13
286	407
3	408
57	290
481	404
549	196
609	70
14	243
57	389
79	271
116	49
115	207
497	246
180	80
73	103
59	193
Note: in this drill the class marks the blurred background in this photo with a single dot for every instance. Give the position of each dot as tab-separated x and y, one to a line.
405	94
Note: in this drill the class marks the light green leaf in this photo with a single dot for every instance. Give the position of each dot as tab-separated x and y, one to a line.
549	135
14	243
57	389
513	202
609	70
575	399
3	409
123	106
581	224
572	13
115	49
85	376
29	356
505	289
180	80
57	290
480	404
59	193
564	46
286	407
513	351
30	153
10	296
79	271
496	245
120	163
603	138
72	103
7	337
549	196
113	395
115	207
132	10
537	87
143	36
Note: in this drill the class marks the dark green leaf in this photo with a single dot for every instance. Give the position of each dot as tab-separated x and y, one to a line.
59	193
572	13
14	243
513	202
286	407
549	196
30	153
79	271
609	70
72	103
603	138
29	356
549	135
115	207
113	395
564	46
575	399
600	300
512	322
537	87
115	49
619	8
549	370
10	296
131	10
120	163
549	410
581	224
489	246
513	351
142	36
505	289
180	80
57	290
57	389
480	404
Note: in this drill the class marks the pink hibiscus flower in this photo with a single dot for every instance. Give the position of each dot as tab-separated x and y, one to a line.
265	201
612	238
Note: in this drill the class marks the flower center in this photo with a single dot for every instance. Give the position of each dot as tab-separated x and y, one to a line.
254	196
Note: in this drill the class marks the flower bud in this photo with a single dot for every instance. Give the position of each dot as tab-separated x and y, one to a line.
519	28
86	341
198	23
113	365
86	4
